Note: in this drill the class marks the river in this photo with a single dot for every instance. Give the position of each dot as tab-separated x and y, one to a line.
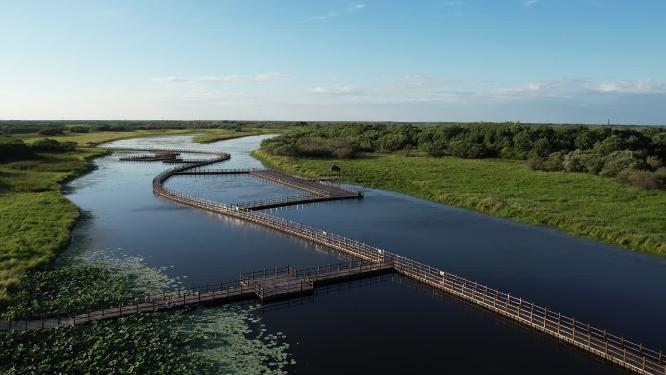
385	324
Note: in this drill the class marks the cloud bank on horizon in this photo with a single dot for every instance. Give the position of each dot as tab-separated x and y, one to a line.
584	61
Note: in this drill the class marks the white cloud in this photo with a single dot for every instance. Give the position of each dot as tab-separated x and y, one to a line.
342	90
529	3
568	88
212	96
407	89
418	80
353	8
262	77
434	89
641	86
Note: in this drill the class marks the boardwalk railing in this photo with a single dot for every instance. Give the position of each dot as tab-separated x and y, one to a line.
206	171
614	348
304	184
165	150
286	201
270	283
144	157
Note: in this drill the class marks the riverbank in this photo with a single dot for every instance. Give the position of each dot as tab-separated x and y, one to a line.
35	217
581	204
228	339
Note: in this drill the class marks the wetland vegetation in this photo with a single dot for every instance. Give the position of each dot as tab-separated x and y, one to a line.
35	159
573	178
188	341
37	219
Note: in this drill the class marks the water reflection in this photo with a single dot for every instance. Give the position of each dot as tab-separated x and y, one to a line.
390	326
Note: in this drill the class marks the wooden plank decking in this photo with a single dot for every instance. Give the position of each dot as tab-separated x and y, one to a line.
267	285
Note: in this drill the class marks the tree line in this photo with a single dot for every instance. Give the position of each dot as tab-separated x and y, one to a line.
51	128
633	154
12	149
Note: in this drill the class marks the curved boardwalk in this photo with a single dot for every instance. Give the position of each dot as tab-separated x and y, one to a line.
613	348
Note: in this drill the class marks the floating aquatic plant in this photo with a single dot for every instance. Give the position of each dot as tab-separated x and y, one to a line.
228	339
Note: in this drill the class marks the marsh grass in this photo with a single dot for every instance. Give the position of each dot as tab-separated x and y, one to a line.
35	217
581	204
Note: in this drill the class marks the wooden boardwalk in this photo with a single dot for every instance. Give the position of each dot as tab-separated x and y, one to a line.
305	185
208	171
267	285
601	343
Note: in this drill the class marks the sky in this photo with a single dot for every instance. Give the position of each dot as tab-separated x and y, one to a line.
579	61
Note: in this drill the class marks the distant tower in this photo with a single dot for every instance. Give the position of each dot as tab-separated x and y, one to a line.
608	122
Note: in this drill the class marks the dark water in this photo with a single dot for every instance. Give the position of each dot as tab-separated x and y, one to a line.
389	324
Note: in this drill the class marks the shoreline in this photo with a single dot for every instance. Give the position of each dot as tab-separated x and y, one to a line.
489	205
60	236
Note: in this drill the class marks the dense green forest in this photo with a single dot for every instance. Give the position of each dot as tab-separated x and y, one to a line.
634	155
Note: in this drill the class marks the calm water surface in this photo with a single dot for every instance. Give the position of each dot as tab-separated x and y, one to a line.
384	324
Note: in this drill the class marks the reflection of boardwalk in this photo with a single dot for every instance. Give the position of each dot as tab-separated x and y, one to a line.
613	348
266	285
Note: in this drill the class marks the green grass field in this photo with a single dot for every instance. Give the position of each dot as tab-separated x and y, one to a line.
35	217
581	204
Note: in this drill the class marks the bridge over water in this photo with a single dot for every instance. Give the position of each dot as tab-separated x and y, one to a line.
368	260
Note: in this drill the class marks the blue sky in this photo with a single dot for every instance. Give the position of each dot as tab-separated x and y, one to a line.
468	60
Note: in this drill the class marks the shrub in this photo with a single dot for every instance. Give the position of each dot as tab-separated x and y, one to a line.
79	129
609	145
51	145
542	147
51	131
394	142
582	161
618	161
660	174
554	162
312	146
655	162
14	149
640	179
284	150
467	150
343	152
535	163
